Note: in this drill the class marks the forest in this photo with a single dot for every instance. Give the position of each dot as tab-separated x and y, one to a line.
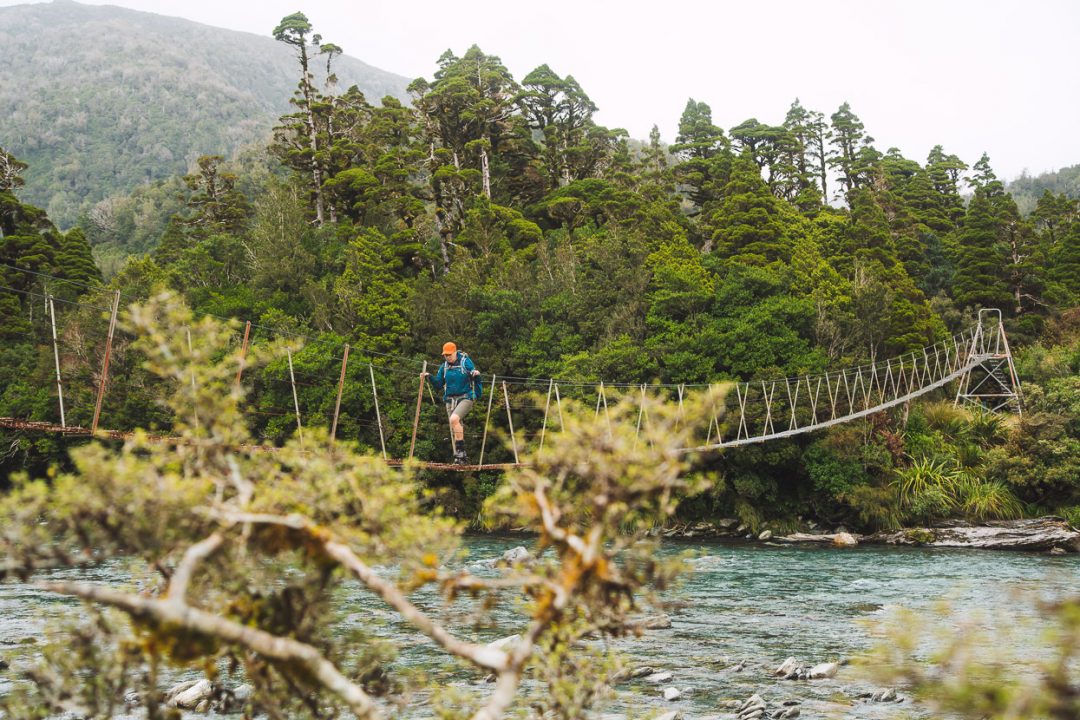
495	212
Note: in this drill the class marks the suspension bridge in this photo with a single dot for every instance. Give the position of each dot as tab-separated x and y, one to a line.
978	360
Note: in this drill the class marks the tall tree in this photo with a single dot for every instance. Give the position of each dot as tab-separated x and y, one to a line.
808	155
562	112
703	152
1053	214
855	153
295	30
748	223
981	258
1065	262
945	172
214	204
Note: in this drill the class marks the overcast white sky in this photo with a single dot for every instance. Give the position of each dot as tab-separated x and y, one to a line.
971	75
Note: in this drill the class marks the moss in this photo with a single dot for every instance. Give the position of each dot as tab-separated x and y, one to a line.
919	536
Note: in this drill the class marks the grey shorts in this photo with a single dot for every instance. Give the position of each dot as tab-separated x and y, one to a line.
458	406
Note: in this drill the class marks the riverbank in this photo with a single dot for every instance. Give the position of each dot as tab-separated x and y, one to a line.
1045	534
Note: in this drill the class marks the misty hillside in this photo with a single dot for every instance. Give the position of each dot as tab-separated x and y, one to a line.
98	99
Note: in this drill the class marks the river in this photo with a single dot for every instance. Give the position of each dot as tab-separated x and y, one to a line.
752	602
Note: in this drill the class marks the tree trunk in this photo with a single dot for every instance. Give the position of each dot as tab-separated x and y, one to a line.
313	137
486	171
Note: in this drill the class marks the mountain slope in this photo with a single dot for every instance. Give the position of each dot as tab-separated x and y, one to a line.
98	99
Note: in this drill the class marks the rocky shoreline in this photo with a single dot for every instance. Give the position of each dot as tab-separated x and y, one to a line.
1045	534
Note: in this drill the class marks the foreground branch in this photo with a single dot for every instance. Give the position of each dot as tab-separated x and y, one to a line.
485	657
195	554
175	612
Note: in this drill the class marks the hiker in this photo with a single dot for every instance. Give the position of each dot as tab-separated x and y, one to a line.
459	381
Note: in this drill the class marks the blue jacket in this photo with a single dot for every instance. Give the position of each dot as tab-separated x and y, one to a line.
456	378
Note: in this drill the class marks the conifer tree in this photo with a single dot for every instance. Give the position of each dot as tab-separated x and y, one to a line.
748	223
1065	261
944	172
703	152
75	261
855	154
214	204
1053	214
297	140
562	112
371	295
981	258
808	156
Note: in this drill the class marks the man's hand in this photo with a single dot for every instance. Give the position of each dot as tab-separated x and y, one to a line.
425	375
475	373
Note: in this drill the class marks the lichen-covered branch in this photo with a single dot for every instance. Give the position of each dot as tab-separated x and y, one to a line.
175	612
488	658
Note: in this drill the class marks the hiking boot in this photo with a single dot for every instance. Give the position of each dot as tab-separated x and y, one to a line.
460	459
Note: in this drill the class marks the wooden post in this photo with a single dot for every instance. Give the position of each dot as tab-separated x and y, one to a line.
679	417
712	416
296	402
487	420
641	413
510	419
56	357
194	391
340	388
243	353
105	362
607	412
558	404
416	417
378	415
547	408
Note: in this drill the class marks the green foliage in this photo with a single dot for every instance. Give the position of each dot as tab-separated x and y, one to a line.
499	214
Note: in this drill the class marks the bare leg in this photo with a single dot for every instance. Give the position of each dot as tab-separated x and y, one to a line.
456	428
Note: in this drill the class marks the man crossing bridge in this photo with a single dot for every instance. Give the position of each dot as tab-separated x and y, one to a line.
459	381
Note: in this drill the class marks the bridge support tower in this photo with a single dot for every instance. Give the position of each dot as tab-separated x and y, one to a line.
991	382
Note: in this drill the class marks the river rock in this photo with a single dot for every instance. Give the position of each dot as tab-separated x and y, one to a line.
1042	533
505	644
516	555
674	715
791	712
884	695
838	539
190	695
823	670
641	672
845	539
752	708
765	535
672	693
659	677
650	622
4	664
789	668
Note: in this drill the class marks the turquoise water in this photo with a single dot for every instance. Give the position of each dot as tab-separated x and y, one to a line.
743	602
